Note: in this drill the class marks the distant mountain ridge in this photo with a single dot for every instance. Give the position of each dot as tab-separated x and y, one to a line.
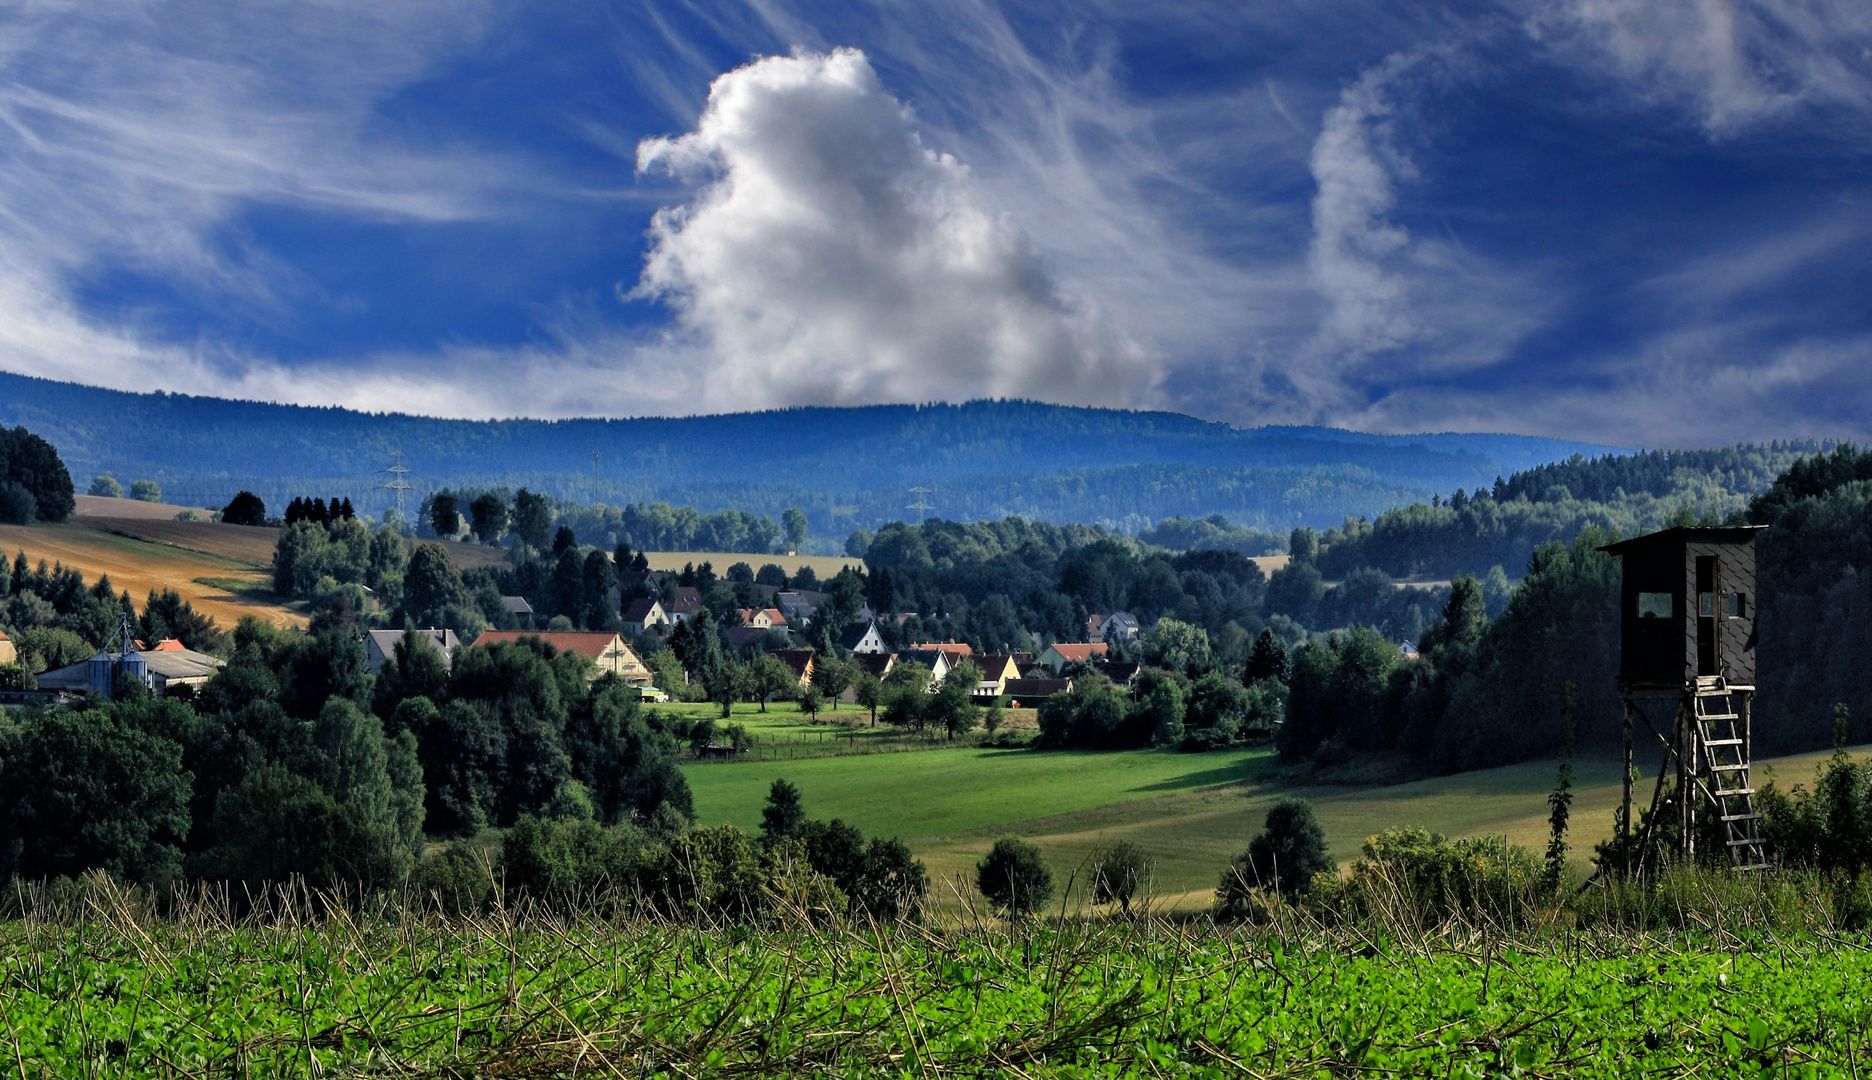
846	466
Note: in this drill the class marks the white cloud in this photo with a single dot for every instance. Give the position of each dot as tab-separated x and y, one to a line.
1398	306
1734	63
828	256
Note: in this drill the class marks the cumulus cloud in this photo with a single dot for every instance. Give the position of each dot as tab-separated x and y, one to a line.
828	256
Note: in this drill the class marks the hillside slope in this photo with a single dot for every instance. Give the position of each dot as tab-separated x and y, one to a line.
847	467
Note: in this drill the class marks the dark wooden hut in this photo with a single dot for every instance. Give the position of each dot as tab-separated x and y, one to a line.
1688	607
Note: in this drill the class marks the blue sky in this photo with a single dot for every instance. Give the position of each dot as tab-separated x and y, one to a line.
1640	222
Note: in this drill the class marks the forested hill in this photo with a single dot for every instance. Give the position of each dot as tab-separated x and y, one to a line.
847	467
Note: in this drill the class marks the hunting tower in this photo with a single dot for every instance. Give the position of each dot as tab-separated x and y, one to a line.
1687	645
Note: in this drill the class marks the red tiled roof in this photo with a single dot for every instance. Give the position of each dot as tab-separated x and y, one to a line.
169	644
956	650
1073	652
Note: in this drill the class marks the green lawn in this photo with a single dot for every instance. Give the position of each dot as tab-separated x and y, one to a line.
1191	813
950	791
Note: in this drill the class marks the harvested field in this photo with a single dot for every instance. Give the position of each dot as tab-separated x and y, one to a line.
824	566
242	543
217	585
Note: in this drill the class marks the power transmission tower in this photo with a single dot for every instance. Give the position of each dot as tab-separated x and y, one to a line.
922	502
594	476
397	483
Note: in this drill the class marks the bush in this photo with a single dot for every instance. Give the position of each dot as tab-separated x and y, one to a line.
1014	877
146	491
106	486
1284	856
457	879
1416	878
573	862
1118	873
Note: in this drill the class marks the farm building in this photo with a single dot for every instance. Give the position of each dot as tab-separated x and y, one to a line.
605	649
380	645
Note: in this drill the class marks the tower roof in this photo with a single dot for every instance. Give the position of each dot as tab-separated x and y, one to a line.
1686	534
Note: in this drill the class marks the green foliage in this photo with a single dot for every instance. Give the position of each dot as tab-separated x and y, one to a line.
106	486
1093	715
1014	877
1118	872
146	491
445	515
108	978
30	463
245	508
1178	646
97	789
433	591
572	862
17	505
783	816
1828	828
1213	533
1284	857
1422	878
1269	659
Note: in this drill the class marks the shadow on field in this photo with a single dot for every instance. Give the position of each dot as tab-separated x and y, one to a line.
1233	773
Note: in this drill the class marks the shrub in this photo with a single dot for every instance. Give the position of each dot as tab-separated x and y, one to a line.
106	486
456	879
1118	873
574	861
1014	877
1413	877
146	491
1284	856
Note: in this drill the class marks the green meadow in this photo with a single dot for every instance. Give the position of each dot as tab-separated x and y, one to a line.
1191	813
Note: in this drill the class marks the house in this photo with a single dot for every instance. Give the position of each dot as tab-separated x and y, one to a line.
800	605
1118	626
1060	654
956	651
688	601
380	645
996	669
604	648
9	654
163	672
875	664
1033	691
800	660
641	615
1407	649
934	659
861	637
518	607
763	618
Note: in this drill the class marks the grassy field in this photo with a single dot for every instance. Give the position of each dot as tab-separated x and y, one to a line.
226	588
1191	812
122	992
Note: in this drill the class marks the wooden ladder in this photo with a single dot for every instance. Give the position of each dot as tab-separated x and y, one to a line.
1726	765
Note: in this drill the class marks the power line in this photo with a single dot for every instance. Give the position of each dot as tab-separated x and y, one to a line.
397	483
922	502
